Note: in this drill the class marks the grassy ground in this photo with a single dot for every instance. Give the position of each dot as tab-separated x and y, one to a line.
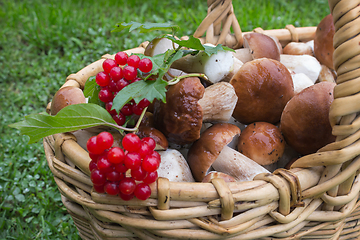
42	42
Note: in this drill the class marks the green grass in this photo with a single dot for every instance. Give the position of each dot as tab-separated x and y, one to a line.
42	42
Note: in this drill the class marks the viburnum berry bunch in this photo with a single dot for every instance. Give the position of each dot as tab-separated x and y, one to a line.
117	74
125	171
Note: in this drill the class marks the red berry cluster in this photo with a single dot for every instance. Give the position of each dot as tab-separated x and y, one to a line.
118	74
126	171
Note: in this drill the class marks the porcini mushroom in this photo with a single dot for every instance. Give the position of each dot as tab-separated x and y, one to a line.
66	96
306	64
211	151
305	119
261	46
262	142
301	81
159	137
263	87
298	48
216	67
323	41
174	167
189	104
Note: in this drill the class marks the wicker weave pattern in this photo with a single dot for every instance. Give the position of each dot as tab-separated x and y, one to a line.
316	200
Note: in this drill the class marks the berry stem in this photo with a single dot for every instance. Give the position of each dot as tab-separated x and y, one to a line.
178	78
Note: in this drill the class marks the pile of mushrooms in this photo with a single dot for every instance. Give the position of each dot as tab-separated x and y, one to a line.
259	108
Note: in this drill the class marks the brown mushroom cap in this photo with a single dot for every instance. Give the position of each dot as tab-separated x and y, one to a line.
298	48
180	119
261	46
159	137
263	87
323	41
305	120
66	96
205	150
262	142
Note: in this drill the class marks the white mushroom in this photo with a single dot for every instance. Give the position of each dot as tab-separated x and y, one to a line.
301	81
306	64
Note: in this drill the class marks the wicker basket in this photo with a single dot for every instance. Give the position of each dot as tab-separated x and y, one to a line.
317	201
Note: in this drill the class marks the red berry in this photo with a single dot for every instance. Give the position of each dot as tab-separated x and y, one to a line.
126	197
121	58
111	188
121	84
105	140
112	86
129	73
105	95
92	146
127	109
108	64
116	73
151	177
104	165
121	168
108	107
138	174
150	141
136	109
92	165
145	65
97	177
144	103
142	191
136	79
114	176
102	79
119	119
132	160
133	60
150	163
116	155
99	188
131	142
145	149
127	185
93	157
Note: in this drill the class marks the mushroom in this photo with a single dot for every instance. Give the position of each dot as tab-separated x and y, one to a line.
174	167
263	87
323	41
301	81
159	45
261	46
159	137
298	48
66	96
326	74
211	151
216	67
188	105
305	119
262	142
306	64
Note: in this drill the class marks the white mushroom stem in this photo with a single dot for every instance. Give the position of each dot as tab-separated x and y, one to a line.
301	81
216	67
306	64
174	167
237	165
218	102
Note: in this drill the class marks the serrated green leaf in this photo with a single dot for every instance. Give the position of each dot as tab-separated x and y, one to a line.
91	91
145	27
210	50
140	90
70	118
193	43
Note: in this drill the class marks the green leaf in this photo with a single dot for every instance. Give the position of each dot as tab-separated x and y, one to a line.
139	90
209	50
91	91
145	27
193	43
70	118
